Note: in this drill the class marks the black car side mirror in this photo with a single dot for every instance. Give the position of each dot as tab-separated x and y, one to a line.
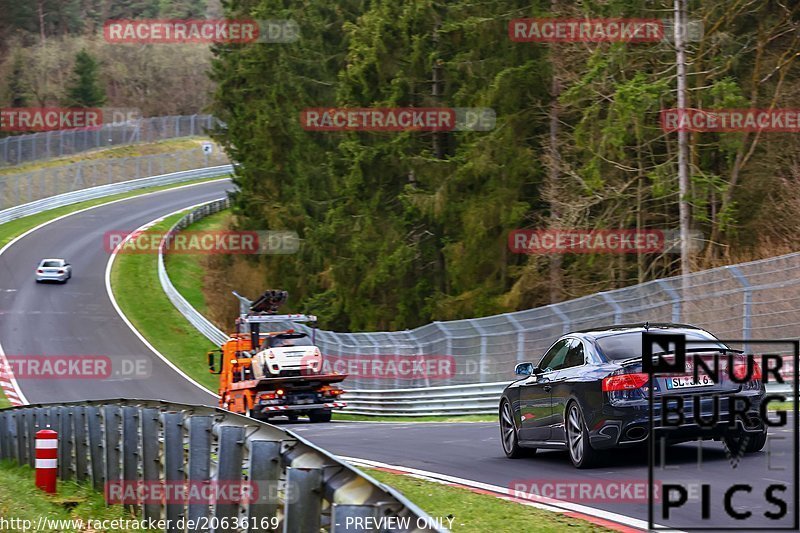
526	369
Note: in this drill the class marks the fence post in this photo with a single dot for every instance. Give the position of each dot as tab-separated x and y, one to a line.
747	300
676	301
563	316
111	424
520	336
617	308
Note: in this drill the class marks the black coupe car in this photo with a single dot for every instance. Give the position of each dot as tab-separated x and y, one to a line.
589	393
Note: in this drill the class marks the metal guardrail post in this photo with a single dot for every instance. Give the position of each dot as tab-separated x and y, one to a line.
199	462
96	447
130	445
151	466
229	471
21	439
111	425
303	506
4	440
173	463
265	473
345	517
81	449
65	442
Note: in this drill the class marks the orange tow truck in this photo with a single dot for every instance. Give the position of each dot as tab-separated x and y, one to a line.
248	383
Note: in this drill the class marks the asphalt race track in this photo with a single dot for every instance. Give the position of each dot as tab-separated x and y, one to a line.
473	451
78	318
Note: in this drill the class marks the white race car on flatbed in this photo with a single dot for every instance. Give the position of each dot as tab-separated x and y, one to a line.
287	353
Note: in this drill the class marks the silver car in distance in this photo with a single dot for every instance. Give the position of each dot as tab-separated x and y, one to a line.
53	270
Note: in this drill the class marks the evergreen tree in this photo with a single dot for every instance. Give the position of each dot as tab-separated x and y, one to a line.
85	89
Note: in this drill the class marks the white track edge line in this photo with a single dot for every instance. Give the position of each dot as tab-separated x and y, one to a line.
125	319
552	504
3	360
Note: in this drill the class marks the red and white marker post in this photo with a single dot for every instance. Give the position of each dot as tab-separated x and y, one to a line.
46	460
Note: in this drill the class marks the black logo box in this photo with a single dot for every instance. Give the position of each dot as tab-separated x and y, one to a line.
663	341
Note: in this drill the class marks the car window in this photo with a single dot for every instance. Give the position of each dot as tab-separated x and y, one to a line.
629	345
575	355
282	341
52	264
555	356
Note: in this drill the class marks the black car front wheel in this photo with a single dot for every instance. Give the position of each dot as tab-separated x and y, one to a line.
508	434
580	450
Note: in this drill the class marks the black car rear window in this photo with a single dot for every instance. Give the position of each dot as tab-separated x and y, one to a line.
629	345
51	264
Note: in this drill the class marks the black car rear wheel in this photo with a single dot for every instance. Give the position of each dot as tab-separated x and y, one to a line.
742	442
580	450
508	434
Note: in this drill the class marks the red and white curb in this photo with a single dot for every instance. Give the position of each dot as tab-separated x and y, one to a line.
608	519
8	383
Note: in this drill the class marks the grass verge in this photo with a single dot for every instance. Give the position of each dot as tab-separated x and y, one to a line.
472	512
22	505
118	152
154	316
187	271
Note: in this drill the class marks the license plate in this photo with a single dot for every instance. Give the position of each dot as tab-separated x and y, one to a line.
304	401
688	382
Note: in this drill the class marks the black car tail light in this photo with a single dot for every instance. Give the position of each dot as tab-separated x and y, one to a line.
740	370
623	382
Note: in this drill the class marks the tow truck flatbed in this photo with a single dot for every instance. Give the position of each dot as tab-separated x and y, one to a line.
304	381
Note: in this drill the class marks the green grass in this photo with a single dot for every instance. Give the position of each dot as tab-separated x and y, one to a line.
154	316
473	512
187	270
21	500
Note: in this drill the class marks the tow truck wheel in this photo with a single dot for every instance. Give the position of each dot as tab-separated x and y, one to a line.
292	417
320	415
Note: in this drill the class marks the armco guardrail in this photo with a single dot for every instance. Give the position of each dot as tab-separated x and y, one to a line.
139	444
480	398
486	339
200	322
108	190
